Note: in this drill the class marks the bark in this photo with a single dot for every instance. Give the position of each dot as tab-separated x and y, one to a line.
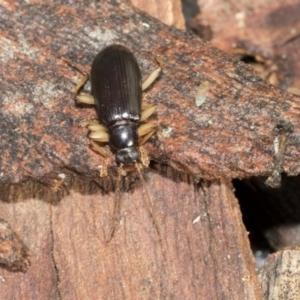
193	254
280	275
232	134
168	12
267	31
192	242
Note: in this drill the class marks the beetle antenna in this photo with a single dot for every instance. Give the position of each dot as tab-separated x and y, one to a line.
116	208
151	210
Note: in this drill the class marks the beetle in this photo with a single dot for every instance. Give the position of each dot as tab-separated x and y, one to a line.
117	87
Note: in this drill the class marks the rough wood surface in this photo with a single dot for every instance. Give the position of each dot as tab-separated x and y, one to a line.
268	30
204	249
199	254
168	11
230	135
14	255
280	275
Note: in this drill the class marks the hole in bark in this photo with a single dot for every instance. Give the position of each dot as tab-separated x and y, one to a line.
191	12
248	59
271	215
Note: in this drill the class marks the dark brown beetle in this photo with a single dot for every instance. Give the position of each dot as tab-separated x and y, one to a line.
117	94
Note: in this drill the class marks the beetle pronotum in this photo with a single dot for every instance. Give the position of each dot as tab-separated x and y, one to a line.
117	94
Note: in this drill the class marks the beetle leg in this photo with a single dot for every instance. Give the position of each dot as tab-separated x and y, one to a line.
99	136
88	122
147	112
81	83
146	137
96	127
85	98
100	150
144	157
98	132
146	131
151	78
145	128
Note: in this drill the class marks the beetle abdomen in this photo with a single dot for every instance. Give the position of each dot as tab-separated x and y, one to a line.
116	85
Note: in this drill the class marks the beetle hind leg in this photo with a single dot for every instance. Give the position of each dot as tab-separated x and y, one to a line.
98	131
99	134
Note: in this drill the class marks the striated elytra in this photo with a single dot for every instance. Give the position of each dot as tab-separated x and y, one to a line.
117	90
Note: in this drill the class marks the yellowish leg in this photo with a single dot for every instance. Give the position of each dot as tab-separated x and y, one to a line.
99	136
147	112
145	128
145	131
86	123
101	151
95	126
81	83
85	98
151	78
146	137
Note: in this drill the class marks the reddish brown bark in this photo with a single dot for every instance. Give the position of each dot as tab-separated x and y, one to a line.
230	135
168	12
268	31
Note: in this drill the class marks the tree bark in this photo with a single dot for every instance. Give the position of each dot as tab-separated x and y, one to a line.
280	276
191	242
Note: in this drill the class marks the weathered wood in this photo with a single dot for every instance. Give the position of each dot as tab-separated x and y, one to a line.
196	254
280	275
230	135
268	31
14	255
168	11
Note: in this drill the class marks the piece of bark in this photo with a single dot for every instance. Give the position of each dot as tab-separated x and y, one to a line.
195	254
14	255
268	31
42	141
168	12
230	135
31	219
280	275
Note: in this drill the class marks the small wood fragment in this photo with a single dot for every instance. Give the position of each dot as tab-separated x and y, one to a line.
14	255
280	275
